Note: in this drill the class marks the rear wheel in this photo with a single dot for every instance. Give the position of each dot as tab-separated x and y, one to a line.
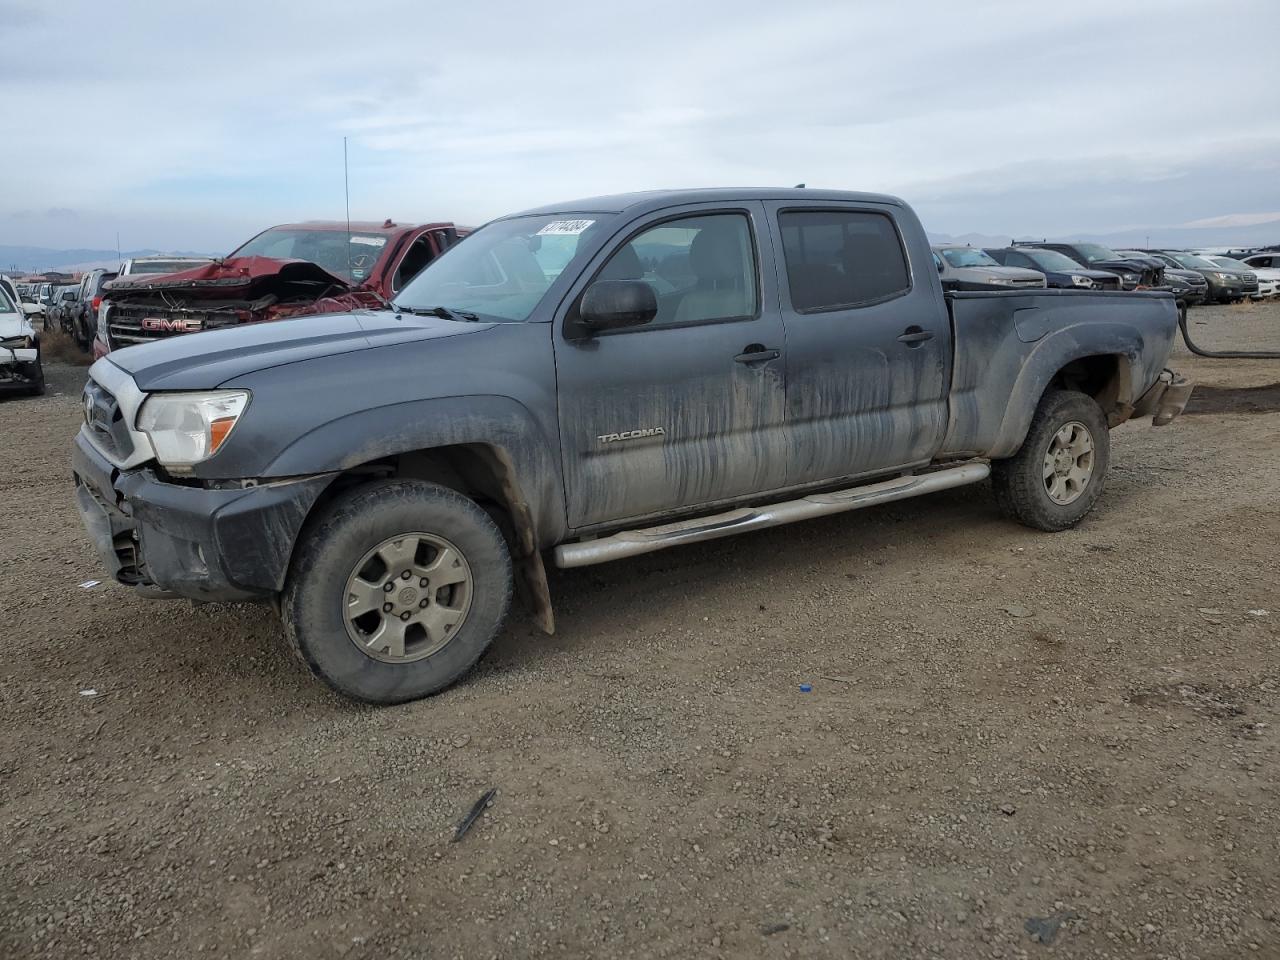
1058	474
396	591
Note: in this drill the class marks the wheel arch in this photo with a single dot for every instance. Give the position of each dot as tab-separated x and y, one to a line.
490	448
484	473
1108	368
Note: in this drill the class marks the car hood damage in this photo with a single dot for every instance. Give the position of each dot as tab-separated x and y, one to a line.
227	277
225	293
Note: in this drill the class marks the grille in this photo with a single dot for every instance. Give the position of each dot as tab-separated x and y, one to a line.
129	323
104	420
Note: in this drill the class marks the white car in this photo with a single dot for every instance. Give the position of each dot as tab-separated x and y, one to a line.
8	286
1267	267
1268	277
20	365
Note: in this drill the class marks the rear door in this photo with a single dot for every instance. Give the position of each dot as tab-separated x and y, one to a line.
868	342
687	410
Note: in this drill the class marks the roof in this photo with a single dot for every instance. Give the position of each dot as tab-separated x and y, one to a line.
363	226
644	200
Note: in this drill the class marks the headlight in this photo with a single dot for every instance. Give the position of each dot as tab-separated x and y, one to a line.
187	428
103	310
1081	281
1130	276
1224	276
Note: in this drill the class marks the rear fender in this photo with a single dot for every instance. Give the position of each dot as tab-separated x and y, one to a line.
1050	355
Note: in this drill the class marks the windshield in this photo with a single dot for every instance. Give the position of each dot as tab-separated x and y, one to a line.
1231	264
6	305
1192	261
501	271
1093	252
164	266
328	249
1052	260
968	258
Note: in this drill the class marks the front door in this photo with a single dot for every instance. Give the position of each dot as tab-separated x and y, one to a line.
868	344
688	409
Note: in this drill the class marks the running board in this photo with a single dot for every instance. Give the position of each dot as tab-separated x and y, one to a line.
631	543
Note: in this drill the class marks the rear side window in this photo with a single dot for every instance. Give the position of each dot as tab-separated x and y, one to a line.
842	258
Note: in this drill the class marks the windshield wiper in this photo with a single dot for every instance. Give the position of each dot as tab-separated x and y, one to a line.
444	313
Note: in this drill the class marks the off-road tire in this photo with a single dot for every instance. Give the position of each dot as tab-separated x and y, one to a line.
313	603
1019	481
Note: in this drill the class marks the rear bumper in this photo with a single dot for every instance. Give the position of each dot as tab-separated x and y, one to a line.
205	544
1165	400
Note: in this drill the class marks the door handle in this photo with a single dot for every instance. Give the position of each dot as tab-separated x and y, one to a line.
757	353
913	336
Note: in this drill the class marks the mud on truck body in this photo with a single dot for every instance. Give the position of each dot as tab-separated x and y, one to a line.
586	382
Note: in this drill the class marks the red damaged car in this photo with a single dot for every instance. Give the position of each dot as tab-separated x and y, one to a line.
286	271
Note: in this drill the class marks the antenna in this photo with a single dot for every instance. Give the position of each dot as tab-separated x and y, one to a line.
119	255
346	192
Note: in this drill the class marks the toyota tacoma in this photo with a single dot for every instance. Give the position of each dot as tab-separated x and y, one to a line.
585	382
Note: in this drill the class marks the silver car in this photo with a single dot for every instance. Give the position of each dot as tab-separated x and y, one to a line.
968	268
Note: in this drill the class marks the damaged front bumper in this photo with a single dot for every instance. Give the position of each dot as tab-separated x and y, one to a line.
169	539
18	365
1165	399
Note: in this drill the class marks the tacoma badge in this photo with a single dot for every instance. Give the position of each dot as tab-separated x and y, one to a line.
632	434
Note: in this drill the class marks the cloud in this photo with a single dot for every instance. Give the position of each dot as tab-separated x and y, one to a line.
182	124
1235	220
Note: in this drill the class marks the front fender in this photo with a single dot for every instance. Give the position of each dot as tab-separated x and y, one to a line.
371	434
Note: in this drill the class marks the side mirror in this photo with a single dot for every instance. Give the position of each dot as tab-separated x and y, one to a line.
610	304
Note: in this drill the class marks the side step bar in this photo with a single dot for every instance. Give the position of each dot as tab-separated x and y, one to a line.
631	543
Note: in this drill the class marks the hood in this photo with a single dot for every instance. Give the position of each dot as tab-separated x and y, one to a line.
231	277
1011	273
207	360
1194	277
1095	274
1125	266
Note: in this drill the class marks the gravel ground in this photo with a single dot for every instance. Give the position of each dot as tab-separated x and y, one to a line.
1003	725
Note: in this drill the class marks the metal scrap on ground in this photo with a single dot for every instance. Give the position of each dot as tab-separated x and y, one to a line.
474	814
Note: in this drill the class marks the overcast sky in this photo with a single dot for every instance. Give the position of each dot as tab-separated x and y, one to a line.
192	126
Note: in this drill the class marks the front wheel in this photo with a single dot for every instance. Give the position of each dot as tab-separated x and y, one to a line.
1058	474
396	590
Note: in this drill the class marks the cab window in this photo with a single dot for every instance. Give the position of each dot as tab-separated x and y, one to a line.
701	268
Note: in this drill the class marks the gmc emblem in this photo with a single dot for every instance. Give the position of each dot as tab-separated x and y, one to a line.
169	325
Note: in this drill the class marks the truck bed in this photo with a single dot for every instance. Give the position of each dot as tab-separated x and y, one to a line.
1009	345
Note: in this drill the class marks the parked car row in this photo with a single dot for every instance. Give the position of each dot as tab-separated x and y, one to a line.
1193	278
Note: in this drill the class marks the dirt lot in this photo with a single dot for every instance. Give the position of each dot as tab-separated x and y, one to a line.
1003	725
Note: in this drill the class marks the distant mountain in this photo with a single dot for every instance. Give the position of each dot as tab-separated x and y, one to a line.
34	259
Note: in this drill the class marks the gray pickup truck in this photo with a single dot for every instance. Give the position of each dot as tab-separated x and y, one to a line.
590	381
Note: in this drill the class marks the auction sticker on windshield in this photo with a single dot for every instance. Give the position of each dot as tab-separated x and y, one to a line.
370	241
569	228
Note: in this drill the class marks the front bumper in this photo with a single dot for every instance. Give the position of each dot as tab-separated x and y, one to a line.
196	542
18	366
1165	400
